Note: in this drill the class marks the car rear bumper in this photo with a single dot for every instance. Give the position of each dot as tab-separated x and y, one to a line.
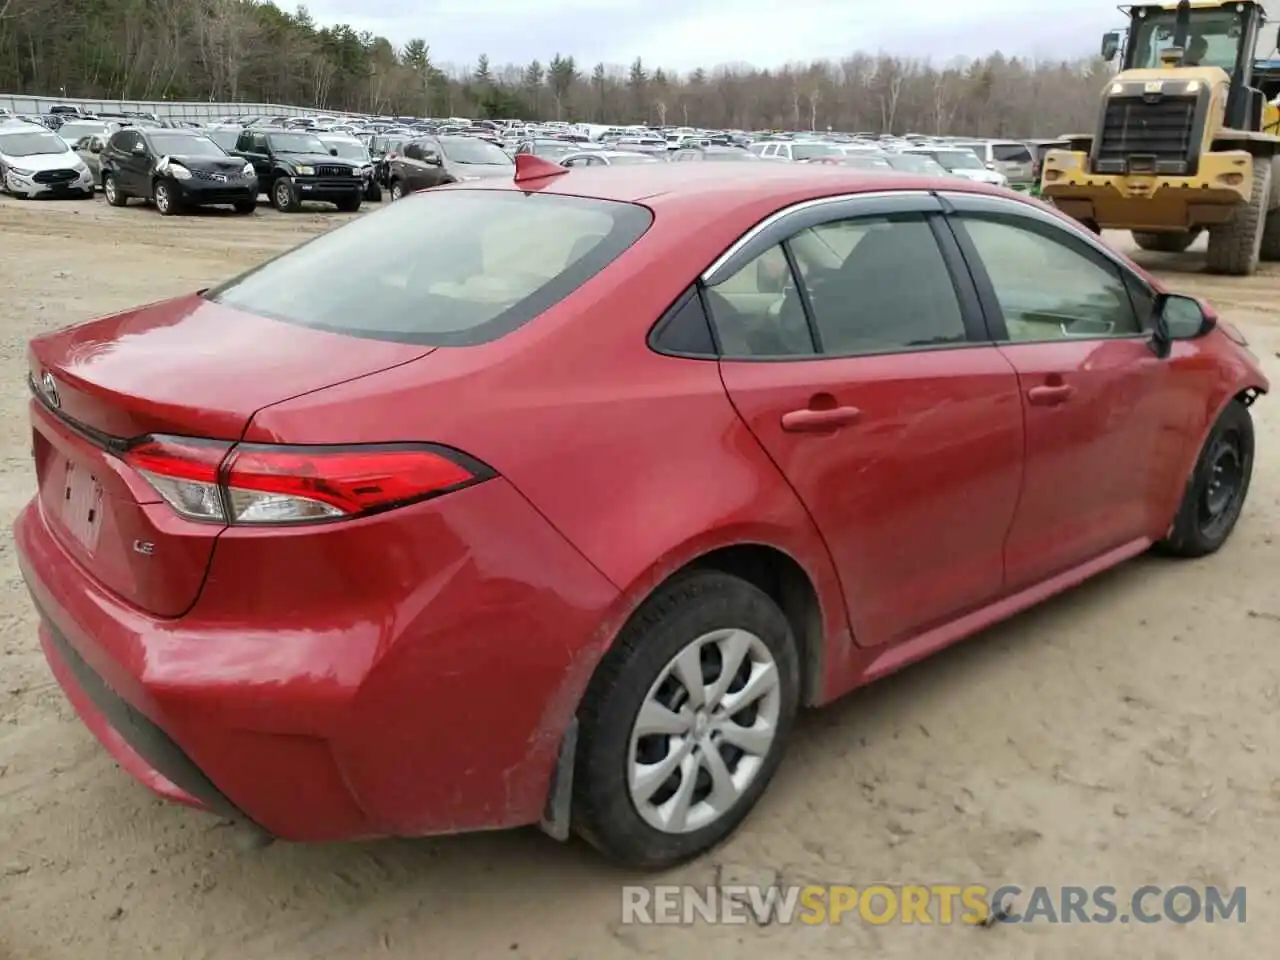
342	698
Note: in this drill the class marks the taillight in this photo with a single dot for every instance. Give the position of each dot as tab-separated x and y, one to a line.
249	483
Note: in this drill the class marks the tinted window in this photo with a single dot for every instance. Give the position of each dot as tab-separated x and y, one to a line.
757	312
468	151
446	267
1049	285
1011	153
878	284
226	139
807	151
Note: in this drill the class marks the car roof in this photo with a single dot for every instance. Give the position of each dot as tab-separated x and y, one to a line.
711	190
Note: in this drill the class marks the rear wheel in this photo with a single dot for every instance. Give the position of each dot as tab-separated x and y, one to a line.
397	190
1271	237
1172	242
1235	247
685	720
1217	488
111	190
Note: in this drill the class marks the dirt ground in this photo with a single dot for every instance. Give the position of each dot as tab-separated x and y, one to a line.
1123	734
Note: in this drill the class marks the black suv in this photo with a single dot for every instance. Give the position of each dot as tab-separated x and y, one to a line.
294	166
175	169
431	161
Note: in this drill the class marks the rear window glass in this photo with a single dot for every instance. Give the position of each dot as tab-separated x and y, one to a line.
1011	153
442	268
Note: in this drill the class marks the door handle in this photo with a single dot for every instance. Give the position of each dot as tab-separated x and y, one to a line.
799	421
1046	396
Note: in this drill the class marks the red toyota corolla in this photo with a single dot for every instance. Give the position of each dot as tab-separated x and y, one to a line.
553	500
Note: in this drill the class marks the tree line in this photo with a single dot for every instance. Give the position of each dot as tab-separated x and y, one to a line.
252	51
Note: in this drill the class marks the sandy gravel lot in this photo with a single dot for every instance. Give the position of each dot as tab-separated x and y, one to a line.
1126	733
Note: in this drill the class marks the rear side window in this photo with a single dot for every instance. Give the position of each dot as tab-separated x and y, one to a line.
442	268
1011	153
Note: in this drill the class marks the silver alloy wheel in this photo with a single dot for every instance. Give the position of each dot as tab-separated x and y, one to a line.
396	191
282	195
109	188
703	731
162	198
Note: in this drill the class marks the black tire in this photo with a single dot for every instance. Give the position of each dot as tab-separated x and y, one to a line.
1235	247
351	205
283	197
166	199
374	193
246	206
1174	242
1270	250
111	190
1208	513
679	613
396	190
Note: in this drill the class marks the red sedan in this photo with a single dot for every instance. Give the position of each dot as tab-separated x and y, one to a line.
552	500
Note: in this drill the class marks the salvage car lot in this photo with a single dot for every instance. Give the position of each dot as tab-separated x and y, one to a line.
1116	736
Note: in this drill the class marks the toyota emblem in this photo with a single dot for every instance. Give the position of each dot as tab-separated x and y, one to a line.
49	387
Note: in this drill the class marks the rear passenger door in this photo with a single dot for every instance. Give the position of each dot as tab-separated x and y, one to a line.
853	346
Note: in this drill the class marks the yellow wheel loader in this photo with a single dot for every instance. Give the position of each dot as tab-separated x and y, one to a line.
1188	137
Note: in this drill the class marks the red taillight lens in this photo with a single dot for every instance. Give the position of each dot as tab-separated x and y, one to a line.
268	484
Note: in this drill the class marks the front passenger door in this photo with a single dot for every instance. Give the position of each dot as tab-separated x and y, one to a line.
854	349
1094	393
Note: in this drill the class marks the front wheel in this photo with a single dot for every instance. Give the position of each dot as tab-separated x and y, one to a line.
349	205
246	206
1216	491
1175	241
283	197
166	200
111	190
397	190
684	723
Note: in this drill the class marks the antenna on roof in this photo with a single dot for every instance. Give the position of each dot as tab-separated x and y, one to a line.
532	167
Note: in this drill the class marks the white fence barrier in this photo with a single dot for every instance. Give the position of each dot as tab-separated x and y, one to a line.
188	110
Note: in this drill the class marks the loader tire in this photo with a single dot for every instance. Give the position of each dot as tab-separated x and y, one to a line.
1236	246
1271	237
1166	242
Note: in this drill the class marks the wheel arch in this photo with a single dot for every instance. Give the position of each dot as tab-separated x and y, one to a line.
767	566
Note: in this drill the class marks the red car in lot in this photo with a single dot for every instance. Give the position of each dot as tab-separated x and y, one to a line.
552	500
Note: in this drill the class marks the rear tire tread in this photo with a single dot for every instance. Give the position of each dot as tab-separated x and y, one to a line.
1235	246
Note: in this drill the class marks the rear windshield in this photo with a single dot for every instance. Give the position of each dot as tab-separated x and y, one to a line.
441	268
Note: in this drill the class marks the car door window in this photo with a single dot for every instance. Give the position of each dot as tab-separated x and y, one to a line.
1049	285
757	311
878	284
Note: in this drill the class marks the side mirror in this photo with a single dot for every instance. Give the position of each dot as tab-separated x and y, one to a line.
333	151
1177	317
431	158
1110	45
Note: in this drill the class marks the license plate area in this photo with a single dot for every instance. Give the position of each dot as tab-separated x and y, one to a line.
80	511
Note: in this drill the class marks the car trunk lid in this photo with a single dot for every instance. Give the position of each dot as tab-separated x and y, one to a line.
186	368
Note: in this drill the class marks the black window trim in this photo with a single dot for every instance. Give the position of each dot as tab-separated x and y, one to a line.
656	332
1072	236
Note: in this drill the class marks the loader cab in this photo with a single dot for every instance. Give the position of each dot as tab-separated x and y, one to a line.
1222	34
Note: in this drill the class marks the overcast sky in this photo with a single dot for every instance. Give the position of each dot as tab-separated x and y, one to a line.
683	34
